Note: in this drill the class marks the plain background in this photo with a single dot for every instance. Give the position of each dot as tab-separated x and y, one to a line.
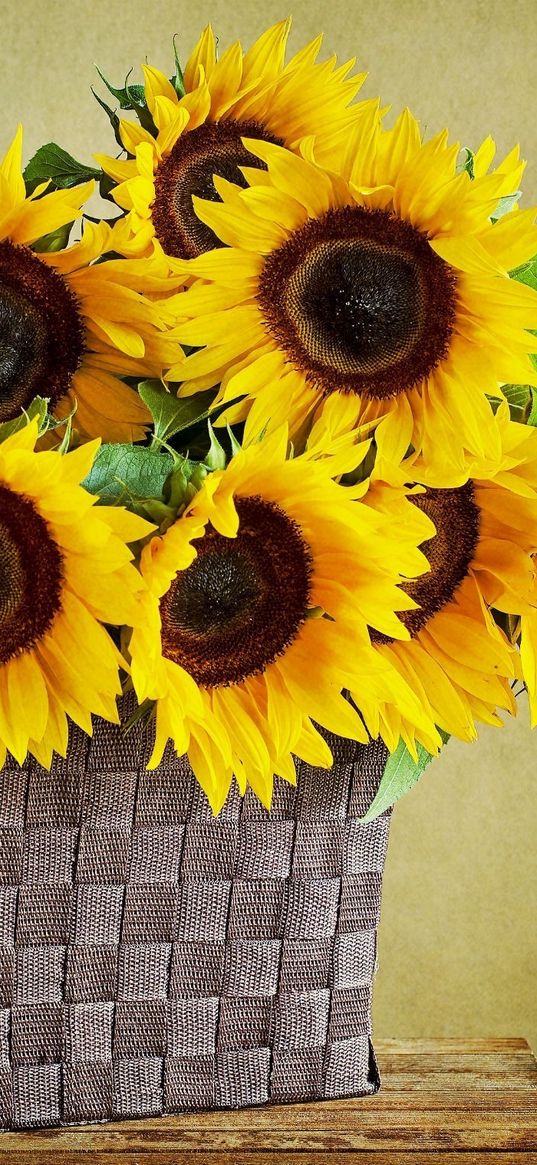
458	940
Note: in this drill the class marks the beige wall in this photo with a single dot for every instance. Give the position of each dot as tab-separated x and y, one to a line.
458	946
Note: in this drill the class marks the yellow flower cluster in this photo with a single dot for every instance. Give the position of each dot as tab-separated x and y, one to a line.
361	563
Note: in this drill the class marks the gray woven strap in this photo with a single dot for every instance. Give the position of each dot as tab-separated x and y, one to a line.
153	959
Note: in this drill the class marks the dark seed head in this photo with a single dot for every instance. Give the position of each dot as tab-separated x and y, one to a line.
212	148
31	574
242	601
41	331
359	302
450	552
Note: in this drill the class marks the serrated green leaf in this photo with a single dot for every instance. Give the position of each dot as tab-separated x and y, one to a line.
505	205
402	772
52	164
128	473
37	408
172	414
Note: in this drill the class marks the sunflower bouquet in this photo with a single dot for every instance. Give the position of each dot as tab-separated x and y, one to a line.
305	344
268	456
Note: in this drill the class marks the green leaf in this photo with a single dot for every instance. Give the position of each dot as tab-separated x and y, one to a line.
128	474
527	273
52	164
38	408
172	414
400	775
505	205
177	80
532	415
518	395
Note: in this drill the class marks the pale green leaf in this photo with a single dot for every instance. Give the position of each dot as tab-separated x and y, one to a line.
172	414
128	473
505	205
38	408
400	775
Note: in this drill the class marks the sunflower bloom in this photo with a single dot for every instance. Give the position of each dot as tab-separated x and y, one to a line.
66	569
244	94
382	279
458	660
72	326
235	646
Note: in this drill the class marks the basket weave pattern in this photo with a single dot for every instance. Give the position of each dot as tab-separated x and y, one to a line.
154	959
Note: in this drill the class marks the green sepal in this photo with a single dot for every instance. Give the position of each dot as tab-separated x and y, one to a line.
177	80
132	97
128	475
112	117
55	241
467	163
37	408
52	164
216	457
235	445
178	490
172	414
129	97
532	415
142	713
400	775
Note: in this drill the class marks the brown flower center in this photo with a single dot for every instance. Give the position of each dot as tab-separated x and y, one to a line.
359	302
450	552
242	601
212	148
31	574
41	331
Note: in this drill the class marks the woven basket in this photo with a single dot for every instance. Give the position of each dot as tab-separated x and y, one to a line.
154	959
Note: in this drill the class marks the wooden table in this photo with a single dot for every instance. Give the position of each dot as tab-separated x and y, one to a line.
443	1102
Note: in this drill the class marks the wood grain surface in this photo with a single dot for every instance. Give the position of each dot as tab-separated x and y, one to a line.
447	1102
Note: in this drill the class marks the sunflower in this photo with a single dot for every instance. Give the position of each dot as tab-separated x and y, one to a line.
71	324
459	660
383	279
244	94
65	570
256	617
